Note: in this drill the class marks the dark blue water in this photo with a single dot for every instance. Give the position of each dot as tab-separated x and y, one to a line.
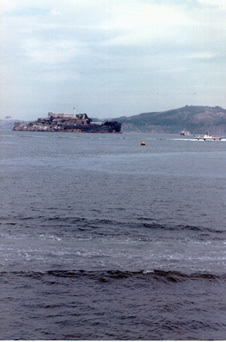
102	238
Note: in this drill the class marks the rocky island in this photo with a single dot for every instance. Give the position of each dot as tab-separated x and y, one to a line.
68	123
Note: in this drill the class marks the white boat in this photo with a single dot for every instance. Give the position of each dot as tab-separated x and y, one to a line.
208	137
184	132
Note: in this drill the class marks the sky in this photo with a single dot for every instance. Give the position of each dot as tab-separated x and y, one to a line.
111	58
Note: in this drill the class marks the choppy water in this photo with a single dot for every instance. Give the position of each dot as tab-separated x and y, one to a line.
102	238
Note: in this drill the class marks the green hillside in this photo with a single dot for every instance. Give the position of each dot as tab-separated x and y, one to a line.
196	119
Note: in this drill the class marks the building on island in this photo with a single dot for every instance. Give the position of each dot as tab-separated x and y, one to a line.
79	119
61	115
63	122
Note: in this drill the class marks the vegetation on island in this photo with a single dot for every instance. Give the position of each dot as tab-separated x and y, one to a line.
196	119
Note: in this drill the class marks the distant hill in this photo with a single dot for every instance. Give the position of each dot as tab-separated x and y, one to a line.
196	119
7	124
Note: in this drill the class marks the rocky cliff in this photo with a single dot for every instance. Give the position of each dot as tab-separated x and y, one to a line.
62	123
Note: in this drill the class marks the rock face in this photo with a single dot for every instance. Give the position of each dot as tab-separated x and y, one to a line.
196	119
68	123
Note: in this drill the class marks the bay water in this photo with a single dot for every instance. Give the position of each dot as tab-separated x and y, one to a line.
102	238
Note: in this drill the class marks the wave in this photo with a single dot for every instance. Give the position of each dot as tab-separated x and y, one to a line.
109	275
83	223
181	227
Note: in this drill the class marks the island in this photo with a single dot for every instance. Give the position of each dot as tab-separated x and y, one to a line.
68	123
195	119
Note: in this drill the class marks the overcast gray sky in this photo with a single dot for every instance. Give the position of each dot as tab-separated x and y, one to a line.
109	58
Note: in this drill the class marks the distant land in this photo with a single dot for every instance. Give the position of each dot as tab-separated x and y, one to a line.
68	122
196	119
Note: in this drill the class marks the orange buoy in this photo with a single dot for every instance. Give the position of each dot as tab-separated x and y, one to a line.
143	143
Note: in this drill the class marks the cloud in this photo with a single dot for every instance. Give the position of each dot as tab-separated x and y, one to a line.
214	3
53	51
98	49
